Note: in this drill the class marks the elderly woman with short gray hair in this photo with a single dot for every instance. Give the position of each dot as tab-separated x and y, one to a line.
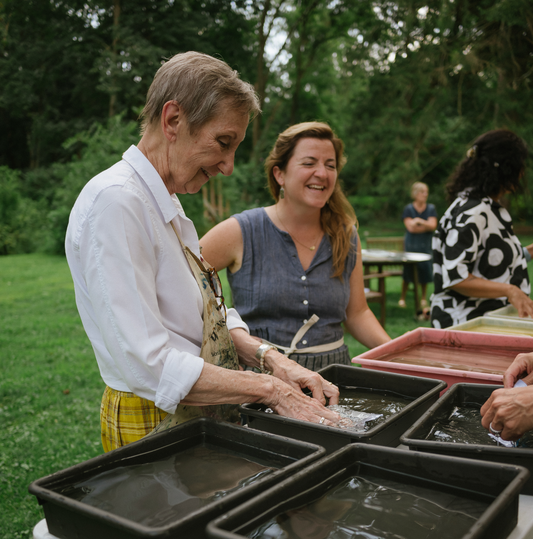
152	307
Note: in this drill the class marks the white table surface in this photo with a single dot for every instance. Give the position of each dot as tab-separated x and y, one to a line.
523	530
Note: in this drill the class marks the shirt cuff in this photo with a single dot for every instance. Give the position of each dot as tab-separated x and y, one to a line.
235	321
180	373
527	255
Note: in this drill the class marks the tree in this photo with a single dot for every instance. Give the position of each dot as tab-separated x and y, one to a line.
65	65
434	82
406	84
48	88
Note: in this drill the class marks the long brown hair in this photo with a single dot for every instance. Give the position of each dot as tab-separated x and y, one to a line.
337	217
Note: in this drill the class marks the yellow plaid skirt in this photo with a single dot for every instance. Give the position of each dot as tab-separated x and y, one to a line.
126	418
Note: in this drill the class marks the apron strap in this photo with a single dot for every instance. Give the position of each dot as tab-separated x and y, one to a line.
288	350
217	349
199	263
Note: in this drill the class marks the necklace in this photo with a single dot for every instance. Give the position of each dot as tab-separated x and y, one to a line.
312	248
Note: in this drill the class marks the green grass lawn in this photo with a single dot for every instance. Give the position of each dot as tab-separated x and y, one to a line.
50	388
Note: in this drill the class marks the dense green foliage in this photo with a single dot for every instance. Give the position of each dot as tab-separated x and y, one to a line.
19	217
407	85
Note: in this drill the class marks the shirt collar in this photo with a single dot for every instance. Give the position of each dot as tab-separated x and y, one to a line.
169	205
466	193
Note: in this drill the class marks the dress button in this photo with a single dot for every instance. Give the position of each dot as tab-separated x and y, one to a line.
305	302
305	321
304	342
304	277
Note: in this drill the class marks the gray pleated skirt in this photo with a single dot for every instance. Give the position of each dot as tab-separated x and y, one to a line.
315	362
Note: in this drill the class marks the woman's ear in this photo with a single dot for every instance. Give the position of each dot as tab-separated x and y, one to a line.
278	174
171	116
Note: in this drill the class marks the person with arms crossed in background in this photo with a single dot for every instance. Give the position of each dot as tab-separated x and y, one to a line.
420	220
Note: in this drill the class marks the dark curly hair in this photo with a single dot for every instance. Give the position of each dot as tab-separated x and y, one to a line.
495	162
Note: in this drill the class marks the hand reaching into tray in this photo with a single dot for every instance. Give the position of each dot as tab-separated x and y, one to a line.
509	411
284	388
523	364
295	403
291	402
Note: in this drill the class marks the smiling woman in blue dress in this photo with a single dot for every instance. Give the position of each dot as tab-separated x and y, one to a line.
295	267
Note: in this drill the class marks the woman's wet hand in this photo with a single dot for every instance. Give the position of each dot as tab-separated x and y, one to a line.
299	377
320	388
292	402
523	363
331	391
509	412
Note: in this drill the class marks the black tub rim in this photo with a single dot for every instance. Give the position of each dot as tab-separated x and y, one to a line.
410	441
44	494
500	502
439	385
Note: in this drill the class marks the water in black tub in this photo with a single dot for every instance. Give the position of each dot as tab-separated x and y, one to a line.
463	425
164	491
376	508
362	409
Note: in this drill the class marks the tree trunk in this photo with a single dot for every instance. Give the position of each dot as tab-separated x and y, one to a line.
114	57
260	85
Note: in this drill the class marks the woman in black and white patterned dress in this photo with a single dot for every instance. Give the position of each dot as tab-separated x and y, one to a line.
478	262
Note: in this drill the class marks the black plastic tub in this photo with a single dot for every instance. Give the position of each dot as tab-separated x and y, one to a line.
493	485
68	518
457	395
423	391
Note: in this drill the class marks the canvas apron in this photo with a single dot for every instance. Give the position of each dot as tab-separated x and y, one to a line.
217	349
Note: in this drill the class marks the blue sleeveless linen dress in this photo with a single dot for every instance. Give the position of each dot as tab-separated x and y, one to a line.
275	296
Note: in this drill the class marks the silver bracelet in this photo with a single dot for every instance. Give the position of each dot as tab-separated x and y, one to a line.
260	355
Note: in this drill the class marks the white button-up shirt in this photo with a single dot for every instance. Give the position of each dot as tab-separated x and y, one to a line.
137	297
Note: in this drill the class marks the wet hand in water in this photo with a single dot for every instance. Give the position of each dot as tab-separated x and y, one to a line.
509	411
292	402
299	377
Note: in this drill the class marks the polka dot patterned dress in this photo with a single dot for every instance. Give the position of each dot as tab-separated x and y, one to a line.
474	236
